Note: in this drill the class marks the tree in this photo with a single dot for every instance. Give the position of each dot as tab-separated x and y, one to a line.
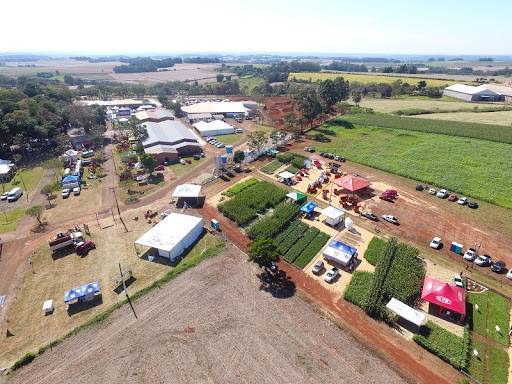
262	252
48	190
256	140
238	157
342	89
309	104
175	106
422	84
148	161
292	124
220	77
36	211
328	94
357	96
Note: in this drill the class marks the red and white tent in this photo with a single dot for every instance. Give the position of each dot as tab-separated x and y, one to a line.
352	183
444	295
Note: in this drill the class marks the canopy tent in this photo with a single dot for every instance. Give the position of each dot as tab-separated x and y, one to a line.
172	235
352	183
70	181
186	190
309	207
444	295
286	175
70	155
340	252
84	293
404	311
333	215
297	197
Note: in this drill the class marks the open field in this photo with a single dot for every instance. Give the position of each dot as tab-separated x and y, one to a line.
49	277
212	324
9	219
366	78
495	118
395	104
30	176
474	167
230	139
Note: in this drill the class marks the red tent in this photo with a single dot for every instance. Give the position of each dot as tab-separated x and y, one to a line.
444	295
352	183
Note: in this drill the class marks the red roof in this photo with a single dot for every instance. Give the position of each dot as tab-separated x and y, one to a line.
352	183
444	295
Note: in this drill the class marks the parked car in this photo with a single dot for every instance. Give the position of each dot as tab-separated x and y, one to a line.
473	205
65	193
318	267
14	194
370	215
309	149
509	274
457	281
323	154
183	162
84	247
197	156
419	187
432	191
331	156
470	254
76	191
273	267
435	243
483	260
4	196
498	266
339	158
463	200
391	219
331	275
453	197
442	194
159	167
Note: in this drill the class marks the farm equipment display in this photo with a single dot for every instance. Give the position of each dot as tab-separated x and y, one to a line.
389	195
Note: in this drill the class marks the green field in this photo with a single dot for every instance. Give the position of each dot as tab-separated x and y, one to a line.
477	168
230	139
493	118
366	79
398	103
248	83
493	310
9	220
30	177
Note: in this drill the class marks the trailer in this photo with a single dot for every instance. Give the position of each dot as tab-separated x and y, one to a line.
63	240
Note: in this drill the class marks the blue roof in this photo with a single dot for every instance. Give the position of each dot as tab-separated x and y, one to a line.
309	207
343	247
70	179
83	291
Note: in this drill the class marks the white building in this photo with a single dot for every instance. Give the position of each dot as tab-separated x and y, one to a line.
470	93
173	235
227	108
213	128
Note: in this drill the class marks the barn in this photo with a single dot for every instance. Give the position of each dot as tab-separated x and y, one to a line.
470	93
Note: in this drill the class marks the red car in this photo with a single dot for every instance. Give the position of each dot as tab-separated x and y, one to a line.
453	197
159	167
84	247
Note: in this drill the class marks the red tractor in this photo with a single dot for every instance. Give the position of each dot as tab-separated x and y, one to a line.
84	247
389	195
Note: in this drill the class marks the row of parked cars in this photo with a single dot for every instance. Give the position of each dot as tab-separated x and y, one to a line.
13	195
444	194
216	143
331	156
330	276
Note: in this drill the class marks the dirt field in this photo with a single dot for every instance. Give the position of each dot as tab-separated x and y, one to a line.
212	324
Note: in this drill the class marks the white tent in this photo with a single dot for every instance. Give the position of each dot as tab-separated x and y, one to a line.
341	253
286	175
172	235
186	191
213	128
70	155
349	224
333	215
403	310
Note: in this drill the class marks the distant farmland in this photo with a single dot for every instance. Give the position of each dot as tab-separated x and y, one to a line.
365	78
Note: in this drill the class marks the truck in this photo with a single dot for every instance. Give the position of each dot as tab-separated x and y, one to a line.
63	240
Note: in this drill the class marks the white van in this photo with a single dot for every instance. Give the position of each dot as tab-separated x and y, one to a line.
14	194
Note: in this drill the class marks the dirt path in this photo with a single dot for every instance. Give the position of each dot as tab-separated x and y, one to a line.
213	324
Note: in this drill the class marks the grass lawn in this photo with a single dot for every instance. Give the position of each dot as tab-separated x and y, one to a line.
31	177
493	310
493	118
180	169
476	365
395	104
474	167
367	78
497	366
230	139
9	220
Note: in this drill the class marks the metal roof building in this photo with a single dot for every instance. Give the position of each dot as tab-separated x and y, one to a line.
155	116
223	107
470	93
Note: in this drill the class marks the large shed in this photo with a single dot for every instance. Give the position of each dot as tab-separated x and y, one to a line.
214	128
173	235
170	135
470	93
226	108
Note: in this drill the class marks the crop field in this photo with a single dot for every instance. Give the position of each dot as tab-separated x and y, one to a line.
268	226
366	79
396	104
493	118
493	310
477	168
239	187
271	167
496	133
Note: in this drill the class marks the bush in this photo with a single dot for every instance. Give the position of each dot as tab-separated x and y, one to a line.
285	158
271	167
445	345
27	358
239	187
286	240
269	226
300	245
375	250
359	287
311	250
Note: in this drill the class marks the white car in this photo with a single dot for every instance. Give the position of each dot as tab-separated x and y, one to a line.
463	200
457	281
442	194
331	275
470	254
483	261
76	191
509	274
391	219
432	191
65	193
435	243
183	162
4	196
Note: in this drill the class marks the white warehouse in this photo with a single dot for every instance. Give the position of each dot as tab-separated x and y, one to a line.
213	128
470	93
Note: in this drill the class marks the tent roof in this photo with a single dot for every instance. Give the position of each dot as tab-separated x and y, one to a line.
332	212
286	175
352	183
187	190
70	152
79	292
214	125
444	295
169	232
297	196
339	251
309	207
406	312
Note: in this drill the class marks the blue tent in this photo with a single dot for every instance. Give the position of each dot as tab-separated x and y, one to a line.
343	247
308	207
78	294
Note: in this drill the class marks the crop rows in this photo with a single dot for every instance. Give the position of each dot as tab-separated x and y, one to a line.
287	238
239	187
268	227
301	244
271	167
311	250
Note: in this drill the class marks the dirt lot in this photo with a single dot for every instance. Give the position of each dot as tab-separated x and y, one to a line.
212	324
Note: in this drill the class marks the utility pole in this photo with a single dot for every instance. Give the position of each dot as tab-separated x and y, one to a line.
118	210
24	186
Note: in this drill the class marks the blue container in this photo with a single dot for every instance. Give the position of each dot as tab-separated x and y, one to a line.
224	159
215	224
229	149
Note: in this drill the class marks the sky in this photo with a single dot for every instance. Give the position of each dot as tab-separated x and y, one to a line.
275	26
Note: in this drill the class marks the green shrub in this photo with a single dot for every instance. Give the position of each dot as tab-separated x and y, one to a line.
239	187
359	288
311	250
375	250
27	358
445	345
285	157
292	169
269	226
284	243
271	167
301	244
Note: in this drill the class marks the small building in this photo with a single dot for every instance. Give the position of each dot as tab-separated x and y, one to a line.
173	235
470	93
7	170
197	117
213	128
188	195
79	138
154	116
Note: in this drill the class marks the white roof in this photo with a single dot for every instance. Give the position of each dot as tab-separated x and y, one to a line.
499	89
406	312
286	175
157	114
70	152
186	190
331	253
47	305
169	232
470	90
216	107
5	166
215	125
332	212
